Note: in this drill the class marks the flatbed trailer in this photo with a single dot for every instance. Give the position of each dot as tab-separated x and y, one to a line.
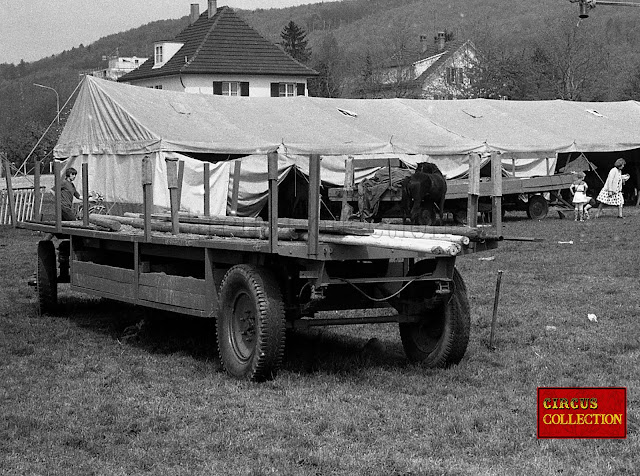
258	278
518	193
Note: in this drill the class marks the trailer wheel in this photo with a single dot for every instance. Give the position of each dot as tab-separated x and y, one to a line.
538	207
251	325
440	339
46	278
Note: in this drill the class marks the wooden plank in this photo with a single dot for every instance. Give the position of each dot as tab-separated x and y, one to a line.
176	283
116	288
212	303
171	297
88	268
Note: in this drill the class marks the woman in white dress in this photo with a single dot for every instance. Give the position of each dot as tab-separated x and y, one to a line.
611	193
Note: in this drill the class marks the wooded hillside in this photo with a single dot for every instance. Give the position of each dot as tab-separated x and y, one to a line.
533	50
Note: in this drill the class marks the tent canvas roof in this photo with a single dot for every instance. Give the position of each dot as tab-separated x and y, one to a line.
110	117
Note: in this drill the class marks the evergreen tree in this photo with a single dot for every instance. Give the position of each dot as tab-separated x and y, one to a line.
294	42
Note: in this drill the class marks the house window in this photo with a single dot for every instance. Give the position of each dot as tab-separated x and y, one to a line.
158	86
158	54
287	89
454	76
231	88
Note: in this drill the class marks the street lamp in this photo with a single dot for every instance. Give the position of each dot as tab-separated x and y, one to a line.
57	99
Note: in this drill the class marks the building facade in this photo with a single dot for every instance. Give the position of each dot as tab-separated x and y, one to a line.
219	53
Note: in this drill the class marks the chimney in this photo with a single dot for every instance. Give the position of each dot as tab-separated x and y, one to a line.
195	13
213	7
440	40
424	43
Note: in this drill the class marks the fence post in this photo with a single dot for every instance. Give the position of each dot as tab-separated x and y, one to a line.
10	198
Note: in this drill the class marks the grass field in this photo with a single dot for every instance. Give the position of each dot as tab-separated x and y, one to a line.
80	393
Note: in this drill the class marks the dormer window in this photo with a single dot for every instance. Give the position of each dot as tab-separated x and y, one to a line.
158	54
164	51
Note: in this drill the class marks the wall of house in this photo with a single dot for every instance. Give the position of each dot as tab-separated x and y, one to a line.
259	86
437	87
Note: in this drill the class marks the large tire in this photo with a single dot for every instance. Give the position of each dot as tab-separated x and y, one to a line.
251	325
538	207
46	277
440	339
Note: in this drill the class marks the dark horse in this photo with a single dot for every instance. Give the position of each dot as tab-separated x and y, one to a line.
422	194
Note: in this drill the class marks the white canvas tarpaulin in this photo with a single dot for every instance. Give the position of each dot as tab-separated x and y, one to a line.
112	126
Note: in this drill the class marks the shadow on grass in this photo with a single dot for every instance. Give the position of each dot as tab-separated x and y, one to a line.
162	332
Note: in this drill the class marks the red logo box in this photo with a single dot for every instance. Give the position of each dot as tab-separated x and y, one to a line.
582	412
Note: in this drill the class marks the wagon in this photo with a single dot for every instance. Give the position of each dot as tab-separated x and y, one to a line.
256	277
534	195
259	278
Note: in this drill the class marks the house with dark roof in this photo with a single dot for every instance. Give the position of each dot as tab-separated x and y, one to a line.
219	53
440	70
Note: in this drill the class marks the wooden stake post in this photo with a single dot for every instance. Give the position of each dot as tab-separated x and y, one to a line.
172	184
347	210
474	190
85	194
496	195
235	188
57	188
147	195
272	176
314	204
207	189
